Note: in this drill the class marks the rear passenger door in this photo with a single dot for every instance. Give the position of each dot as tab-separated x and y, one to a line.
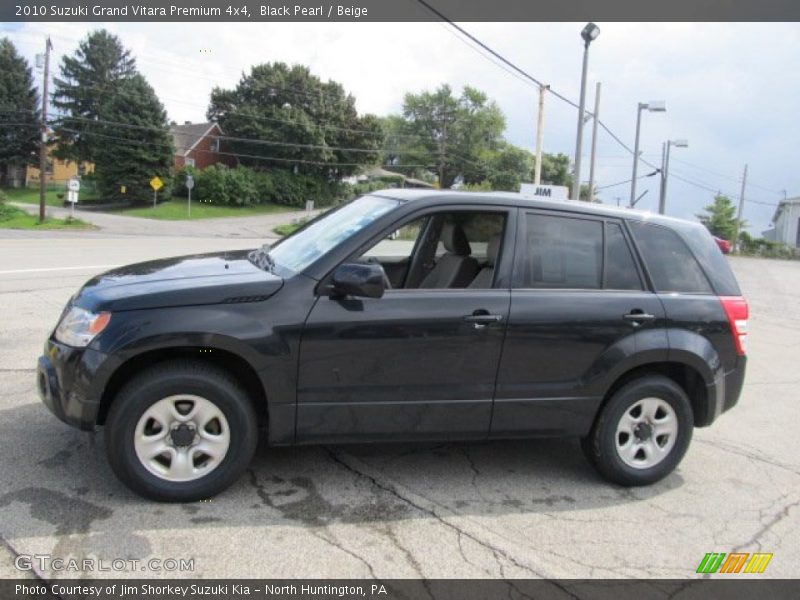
579	306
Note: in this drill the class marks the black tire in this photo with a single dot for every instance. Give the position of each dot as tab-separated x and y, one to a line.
600	446
164	380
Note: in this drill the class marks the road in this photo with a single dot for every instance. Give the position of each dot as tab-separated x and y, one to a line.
494	509
111	224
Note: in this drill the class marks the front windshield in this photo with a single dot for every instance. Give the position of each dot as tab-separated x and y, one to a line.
299	250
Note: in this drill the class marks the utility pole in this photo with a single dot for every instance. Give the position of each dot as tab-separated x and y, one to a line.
537	174
594	141
43	137
739	213
442	149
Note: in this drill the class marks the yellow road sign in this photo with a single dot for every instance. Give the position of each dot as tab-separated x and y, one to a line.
156	184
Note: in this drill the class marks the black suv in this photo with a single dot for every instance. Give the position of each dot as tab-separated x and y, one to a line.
407	315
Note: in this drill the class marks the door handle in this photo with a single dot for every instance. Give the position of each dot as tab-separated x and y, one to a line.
637	316
482	317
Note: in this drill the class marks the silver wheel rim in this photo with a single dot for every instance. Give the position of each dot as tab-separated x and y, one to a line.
646	433
182	438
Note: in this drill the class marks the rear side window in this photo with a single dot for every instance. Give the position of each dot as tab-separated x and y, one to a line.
672	266
561	252
621	273
713	261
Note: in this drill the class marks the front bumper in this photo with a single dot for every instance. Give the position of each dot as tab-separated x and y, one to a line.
68	385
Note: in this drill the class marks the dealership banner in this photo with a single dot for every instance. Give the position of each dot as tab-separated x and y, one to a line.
398	589
397	10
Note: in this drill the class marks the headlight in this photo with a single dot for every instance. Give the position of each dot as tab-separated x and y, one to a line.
78	326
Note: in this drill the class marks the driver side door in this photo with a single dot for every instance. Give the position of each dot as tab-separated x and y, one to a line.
415	364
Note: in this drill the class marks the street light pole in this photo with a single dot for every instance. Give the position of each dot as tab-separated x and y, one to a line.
594	140
589	34
662	200
652	106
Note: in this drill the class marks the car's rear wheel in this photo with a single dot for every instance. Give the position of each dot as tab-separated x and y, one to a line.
180	431
642	433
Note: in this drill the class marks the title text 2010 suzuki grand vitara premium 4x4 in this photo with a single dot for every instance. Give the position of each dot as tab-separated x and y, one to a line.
407	315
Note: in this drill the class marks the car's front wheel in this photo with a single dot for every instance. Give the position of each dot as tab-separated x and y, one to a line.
180	431
642	432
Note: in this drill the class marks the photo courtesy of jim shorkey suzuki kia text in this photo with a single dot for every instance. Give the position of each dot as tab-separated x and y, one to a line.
125	590
399	299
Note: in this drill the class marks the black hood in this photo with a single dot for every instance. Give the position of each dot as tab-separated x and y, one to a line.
180	281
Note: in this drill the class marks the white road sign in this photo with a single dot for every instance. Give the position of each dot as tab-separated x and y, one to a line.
553	192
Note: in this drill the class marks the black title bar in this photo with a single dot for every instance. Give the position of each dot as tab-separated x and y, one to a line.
398	10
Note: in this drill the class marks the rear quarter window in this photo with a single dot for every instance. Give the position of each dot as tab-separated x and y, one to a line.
712	260
672	266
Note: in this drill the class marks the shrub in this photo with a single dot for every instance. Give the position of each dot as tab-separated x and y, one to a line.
242	186
210	185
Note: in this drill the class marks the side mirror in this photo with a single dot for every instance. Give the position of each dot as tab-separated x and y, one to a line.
358	279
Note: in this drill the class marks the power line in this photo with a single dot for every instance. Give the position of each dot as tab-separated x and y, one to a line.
730	177
531	79
705	186
233	154
233	138
603	187
496	54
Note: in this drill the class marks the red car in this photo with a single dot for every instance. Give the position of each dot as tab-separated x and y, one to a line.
724	245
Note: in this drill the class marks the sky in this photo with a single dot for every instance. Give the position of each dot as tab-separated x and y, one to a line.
731	89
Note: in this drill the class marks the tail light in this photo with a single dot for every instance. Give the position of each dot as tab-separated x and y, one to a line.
737	311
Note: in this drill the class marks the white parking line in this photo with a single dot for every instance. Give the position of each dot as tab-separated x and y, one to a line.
44	270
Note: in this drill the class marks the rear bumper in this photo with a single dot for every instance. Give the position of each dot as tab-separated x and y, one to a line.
65	378
724	392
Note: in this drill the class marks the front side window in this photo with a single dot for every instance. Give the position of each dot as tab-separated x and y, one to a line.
561	253
453	249
302	248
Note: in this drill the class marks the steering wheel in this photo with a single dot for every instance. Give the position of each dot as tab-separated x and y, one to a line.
386	283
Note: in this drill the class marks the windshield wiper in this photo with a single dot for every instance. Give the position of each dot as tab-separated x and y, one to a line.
260	257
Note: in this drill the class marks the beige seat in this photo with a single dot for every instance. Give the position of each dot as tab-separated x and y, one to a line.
456	268
484	278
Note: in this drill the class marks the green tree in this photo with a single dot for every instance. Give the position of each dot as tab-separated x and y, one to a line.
452	134
96	70
134	141
720	217
296	121
508	166
19	112
555	169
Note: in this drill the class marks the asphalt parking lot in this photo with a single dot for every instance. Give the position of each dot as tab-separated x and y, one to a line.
494	509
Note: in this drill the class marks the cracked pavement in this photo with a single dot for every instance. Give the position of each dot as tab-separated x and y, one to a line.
516	509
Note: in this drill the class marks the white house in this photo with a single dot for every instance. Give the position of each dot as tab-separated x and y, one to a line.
786	223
